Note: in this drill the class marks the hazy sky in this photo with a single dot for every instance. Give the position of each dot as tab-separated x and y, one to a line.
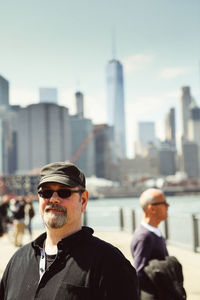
67	44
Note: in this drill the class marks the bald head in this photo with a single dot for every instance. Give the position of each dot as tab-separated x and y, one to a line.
149	196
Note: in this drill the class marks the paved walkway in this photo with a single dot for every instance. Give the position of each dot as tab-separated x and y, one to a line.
189	260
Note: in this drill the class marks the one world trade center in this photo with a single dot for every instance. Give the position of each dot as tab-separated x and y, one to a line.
115	106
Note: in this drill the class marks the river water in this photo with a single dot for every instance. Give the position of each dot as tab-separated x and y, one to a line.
103	214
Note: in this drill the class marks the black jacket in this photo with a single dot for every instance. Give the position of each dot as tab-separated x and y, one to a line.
85	268
167	278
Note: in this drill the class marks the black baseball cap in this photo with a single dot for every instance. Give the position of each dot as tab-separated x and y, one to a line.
62	172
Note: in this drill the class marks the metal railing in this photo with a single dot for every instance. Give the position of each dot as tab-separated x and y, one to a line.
182	229
196	232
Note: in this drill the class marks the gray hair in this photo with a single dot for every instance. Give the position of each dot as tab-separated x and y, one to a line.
147	197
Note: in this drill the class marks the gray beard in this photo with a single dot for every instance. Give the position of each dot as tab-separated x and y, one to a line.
54	220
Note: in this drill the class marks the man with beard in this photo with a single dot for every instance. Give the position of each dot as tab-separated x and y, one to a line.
67	261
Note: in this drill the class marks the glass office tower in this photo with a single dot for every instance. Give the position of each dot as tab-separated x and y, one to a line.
115	106
4	92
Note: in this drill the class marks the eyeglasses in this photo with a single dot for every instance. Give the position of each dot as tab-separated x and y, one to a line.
62	193
160	203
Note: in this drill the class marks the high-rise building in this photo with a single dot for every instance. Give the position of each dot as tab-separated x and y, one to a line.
48	95
11	136
43	136
170	128
194	124
186	100
166	158
4	92
115	106
5	142
194	127
79	104
190	164
103	150
145	136
83	153
83	148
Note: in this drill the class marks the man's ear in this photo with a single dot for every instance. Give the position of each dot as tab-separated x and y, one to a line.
150	209
84	200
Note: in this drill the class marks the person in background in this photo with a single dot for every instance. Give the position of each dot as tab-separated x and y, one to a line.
67	261
148	242
4	218
17	206
29	214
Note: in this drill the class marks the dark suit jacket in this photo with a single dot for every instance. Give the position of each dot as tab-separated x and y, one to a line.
167	278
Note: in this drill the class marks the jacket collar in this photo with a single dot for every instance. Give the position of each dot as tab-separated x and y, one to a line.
66	243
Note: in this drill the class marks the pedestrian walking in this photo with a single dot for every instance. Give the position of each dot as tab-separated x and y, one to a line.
29	214
17	206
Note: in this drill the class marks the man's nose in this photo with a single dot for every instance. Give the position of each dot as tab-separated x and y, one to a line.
54	198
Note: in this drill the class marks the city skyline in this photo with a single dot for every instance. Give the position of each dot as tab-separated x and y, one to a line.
67	45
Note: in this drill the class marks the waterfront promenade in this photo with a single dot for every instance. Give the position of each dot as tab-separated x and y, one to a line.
189	260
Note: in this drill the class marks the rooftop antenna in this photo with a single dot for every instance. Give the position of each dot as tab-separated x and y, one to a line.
113	44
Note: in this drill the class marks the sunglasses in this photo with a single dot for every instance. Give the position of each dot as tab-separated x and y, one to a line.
62	193
160	203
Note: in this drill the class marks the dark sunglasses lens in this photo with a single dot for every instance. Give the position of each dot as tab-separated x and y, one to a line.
64	193
46	193
160	203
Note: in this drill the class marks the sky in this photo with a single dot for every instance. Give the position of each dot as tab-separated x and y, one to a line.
67	44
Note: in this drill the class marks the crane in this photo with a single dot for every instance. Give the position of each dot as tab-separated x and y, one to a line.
86	141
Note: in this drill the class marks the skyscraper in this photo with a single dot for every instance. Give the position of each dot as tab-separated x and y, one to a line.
4	126
194	127
103	150
194	124
170	128
190	159
166	159
186	100
79	104
145	136
4	92
82	144
43	136
115	105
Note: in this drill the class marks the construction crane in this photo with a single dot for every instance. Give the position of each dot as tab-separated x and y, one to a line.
86	141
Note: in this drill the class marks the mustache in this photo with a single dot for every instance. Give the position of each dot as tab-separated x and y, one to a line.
55	206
